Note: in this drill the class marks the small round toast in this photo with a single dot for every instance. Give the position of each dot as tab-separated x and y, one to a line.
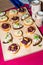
21	11
8	38
15	19
24	16
18	33
28	21
31	29
17	26
14	48
26	42
3	18
12	13
36	39
5	26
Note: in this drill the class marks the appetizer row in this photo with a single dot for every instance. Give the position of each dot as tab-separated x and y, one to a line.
13	12
26	42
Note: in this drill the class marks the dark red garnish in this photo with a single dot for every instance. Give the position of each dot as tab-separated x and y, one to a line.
13	47
5	25
30	29
26	40
15	18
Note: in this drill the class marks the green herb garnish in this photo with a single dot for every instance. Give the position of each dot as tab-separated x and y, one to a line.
36	37
6	36
40	45
17	24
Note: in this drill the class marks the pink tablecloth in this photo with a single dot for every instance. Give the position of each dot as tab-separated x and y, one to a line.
33	59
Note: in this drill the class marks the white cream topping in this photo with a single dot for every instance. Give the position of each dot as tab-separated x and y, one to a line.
12	11
17	25
28	20
7	37
25	16
36	39
18	33
2	13
3	18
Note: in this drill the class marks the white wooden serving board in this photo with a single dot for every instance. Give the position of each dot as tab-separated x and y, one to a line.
23	51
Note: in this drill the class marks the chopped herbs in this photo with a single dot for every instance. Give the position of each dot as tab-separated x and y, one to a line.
36	37
6	36
40	45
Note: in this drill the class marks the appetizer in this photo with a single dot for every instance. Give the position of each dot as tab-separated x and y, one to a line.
36	39
22	11
14	48
2	14
12	12
8	38
3	18
24	16
18	33
17	26
6	26
31	29
26	41
28	21
15	19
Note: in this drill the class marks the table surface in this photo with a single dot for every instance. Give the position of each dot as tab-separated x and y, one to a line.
5	4
32	59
